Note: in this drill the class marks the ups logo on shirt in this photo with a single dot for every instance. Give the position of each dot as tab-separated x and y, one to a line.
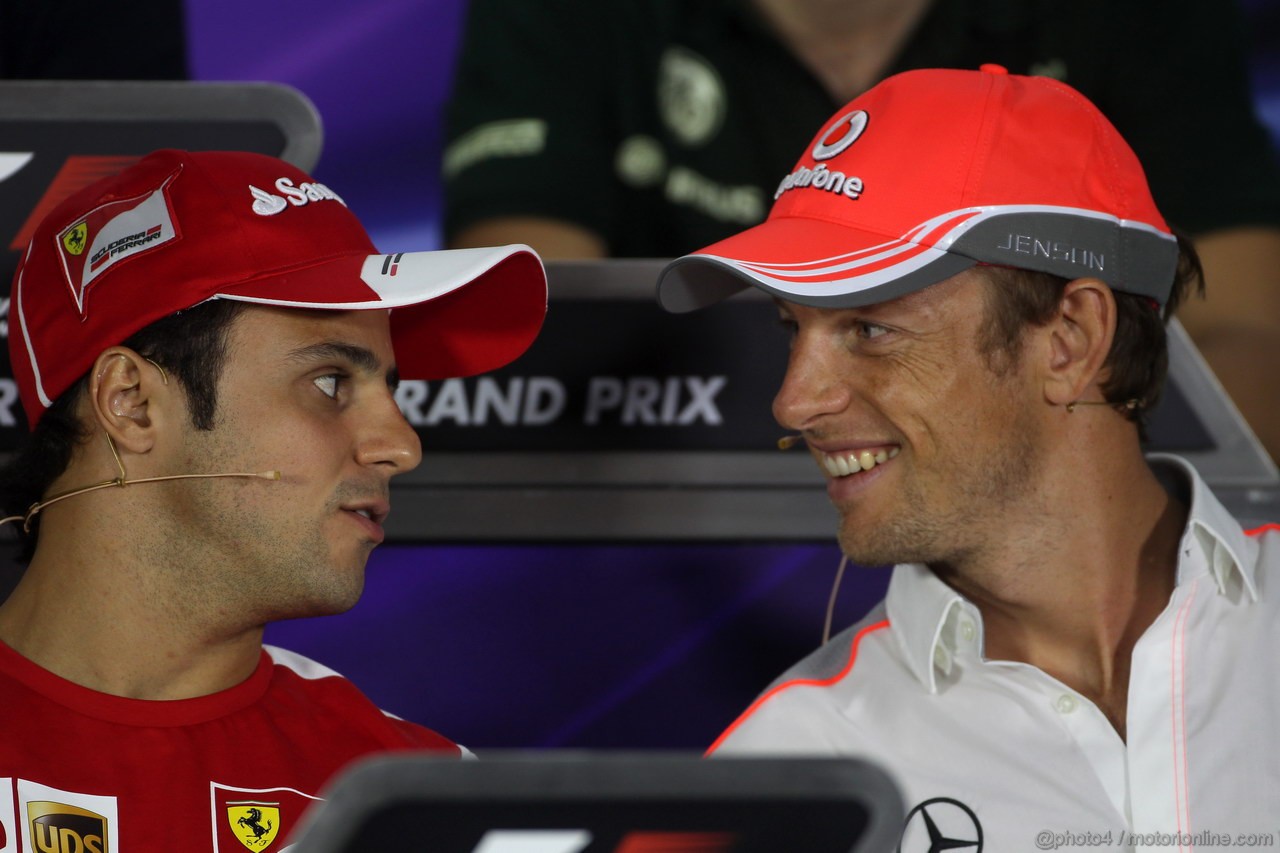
59	828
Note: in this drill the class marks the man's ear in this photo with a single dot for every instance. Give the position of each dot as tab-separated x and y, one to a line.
1079	339
129	396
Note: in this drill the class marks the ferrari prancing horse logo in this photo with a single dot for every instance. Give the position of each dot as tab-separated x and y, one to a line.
254	824
74	239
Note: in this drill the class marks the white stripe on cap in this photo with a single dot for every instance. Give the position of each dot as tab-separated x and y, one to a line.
408	278
853	283
26	338
849	260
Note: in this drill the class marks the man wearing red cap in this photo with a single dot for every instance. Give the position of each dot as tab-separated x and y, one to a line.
207	347
976	281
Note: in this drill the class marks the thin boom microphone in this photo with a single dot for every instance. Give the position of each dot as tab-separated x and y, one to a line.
121	482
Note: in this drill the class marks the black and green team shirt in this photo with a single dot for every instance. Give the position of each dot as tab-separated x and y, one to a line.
664	125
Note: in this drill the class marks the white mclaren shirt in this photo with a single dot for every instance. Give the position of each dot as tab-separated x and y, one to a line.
998	756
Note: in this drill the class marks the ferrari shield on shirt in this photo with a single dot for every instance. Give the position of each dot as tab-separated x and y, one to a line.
86	772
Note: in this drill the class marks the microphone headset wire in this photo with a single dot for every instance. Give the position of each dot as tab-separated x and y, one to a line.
786	443
831	602
120	482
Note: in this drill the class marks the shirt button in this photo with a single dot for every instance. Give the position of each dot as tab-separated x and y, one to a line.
1066	703
967	630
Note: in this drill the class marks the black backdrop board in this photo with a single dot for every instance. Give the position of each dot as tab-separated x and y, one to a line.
617	374
56	137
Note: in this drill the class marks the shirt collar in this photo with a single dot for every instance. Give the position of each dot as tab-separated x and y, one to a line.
1211	533
935	623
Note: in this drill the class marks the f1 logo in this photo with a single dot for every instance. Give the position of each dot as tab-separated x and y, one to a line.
576	840
11	162
533	841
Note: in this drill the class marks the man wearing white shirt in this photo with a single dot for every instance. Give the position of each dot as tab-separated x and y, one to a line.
976	281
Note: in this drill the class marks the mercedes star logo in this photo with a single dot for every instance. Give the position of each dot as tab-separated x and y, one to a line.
939	825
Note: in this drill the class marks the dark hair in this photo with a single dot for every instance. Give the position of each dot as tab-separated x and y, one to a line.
190	345
1139	358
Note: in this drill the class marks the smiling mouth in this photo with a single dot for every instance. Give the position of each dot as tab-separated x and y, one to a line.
839	465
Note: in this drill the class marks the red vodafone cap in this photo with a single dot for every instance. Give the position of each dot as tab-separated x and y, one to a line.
179	228
935	170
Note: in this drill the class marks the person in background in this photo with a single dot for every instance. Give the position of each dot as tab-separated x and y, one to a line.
207	346
644	128
1068	646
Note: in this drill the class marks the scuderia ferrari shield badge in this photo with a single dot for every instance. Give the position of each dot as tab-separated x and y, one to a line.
255	824
254	819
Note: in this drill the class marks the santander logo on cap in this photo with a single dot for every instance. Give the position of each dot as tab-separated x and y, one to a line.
266	204
832	142
269	204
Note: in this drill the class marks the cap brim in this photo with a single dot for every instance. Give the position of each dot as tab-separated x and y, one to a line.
811	262
456	312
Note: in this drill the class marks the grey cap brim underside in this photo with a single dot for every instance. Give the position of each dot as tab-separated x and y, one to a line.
1130	258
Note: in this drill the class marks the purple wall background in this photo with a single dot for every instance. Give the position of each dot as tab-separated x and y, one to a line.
573	646
581	646
378	73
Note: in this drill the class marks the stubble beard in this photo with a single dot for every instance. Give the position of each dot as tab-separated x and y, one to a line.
248	554
958	532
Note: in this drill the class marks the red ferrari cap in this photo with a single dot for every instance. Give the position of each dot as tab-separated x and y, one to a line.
179	228
930	172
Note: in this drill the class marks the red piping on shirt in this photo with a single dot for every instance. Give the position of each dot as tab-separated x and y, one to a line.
1263	529
799	682
1178	706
